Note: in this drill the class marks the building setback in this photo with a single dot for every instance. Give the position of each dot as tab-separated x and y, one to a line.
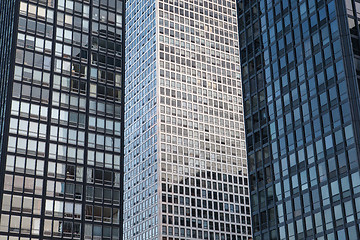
185	153
61	119
300	70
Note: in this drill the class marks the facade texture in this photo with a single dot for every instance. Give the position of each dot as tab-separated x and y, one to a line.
185	153
300	66
7	21
61	157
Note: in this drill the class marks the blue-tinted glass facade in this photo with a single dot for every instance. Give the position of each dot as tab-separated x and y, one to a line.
140	164
7	21
299	61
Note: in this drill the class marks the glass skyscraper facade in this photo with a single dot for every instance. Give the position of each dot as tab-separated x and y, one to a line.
7	21
300	70
185	162
61	127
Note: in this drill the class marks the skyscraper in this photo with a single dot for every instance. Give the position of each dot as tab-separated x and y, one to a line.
185	169
61	110
300	69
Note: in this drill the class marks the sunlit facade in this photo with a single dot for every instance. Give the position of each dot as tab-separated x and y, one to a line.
185	151
61	158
